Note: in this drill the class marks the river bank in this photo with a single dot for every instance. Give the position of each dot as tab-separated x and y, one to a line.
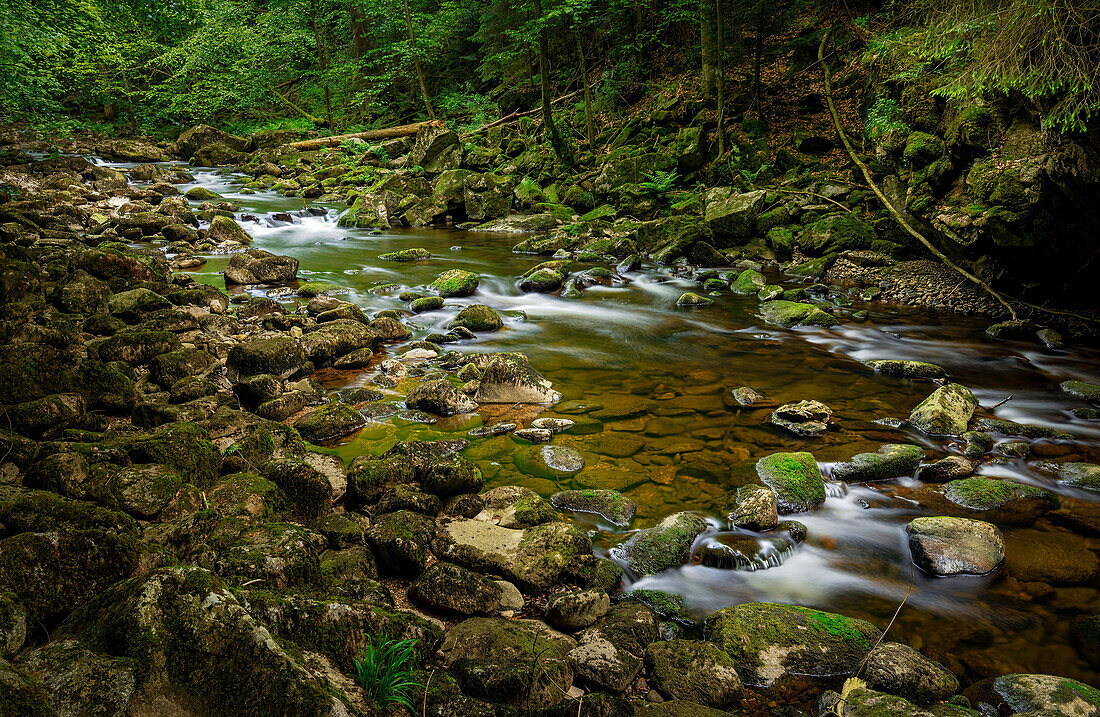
161	507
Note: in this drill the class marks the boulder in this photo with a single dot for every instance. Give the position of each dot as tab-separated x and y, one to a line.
946	412
550	462
436	149
336	339
893	460
223	230
665	545
449	588
256	266
954	546
81	682
611	505
731	215
575	610
999	500
753	507
509	378
900	670
439	397
515	662
908	369
280	356
329	422
1082	390
1019	694
770	642
455	283
789	314
513	506
805	418
1057	558
690	298
477	317
694	671
401	540
199	136
611	652
796	480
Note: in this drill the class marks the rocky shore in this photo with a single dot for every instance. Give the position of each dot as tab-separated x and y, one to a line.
175	540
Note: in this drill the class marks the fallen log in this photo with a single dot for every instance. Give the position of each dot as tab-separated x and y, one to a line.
405	130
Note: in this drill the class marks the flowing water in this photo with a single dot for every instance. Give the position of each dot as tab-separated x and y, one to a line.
663	437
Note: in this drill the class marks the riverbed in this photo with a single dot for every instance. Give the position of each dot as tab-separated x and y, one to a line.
647	379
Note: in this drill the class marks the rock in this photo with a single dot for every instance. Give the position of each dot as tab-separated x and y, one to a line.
436	149
1050	338
199	136
280	356
741	396
534	435
509	378
1022	329
789	314
1047	695
770	642
1076	474
796	480
955	546
551	462
834	233
451	476
1000	499
13	627
749	281
388	328
400	540
542	279
946	412
452	589
532	558
946	469
201	194
695	671
359	358
732	215
1023	430
80	681
256	266
900	670
440	397
610	653
308	491
611	505
862	702
329	422
908	369
665	545
477	317
154	619
224	230
426	303
754	508
1058	558
575	610
554	425
513	506
21	694
406	255
691	299
335	339
133	305
893	460
805	418
1085	391
521	662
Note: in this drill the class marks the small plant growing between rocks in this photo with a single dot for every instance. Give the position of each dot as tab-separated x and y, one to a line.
385	671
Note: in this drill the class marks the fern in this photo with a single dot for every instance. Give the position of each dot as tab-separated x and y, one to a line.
659	182
385	671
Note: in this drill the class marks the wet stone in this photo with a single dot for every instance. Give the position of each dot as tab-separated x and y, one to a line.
804	418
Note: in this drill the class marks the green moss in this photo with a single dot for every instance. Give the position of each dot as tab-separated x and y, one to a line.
990	494
405	255
320	288
455	282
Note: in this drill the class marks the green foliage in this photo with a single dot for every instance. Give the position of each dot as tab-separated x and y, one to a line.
660	182
385	671
884	121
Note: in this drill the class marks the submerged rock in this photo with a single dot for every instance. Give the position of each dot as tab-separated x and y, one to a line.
1001	499
611	505
893	460
805	418
509	378
796	480
946	412
666	545
552	462
908	369
954	546
770	642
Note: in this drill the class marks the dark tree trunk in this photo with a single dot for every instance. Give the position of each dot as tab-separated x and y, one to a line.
416	62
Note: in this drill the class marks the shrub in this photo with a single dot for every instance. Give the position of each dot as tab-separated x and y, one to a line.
385	671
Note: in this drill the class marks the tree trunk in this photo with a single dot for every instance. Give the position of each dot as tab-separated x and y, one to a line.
709	72
322	61
416	62
761	21
544	76
405	130
720	77
590	124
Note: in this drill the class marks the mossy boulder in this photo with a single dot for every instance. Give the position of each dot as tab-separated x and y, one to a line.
731	215
789	314
751	506
132	305
256	266
329	422
694	671
22	694
665	545
450	588
336	339
513	506
611	652
947	411
893	460
451	476
308	492
81	681
1019	694
770	642
1082	390
137	346
922	149
406	255
1076	474
997	500
426	303
835	233
169	368
796	480
440	397
400	540
510	378
281	356
690	298
908	369
954	546
542	280
224	230
748	281
900	670
477	317
521	663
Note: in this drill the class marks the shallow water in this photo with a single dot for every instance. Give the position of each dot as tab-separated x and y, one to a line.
615	345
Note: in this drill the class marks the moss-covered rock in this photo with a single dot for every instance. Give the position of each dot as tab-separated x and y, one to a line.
400	540
80	681
612	651
132	305
789	314
900	670
281	356
611	505
997	500
510	378
694	671
892	460
440	397
477	317
665	545
769	642
256	266
946	412
449	588
1080	389
335	339
908	369
796	480
513	506
426	303
308	492
405	255
224	230
953	546
137	346
690	298
835	233
731	215
22	694
1018	694
552	462
750	506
